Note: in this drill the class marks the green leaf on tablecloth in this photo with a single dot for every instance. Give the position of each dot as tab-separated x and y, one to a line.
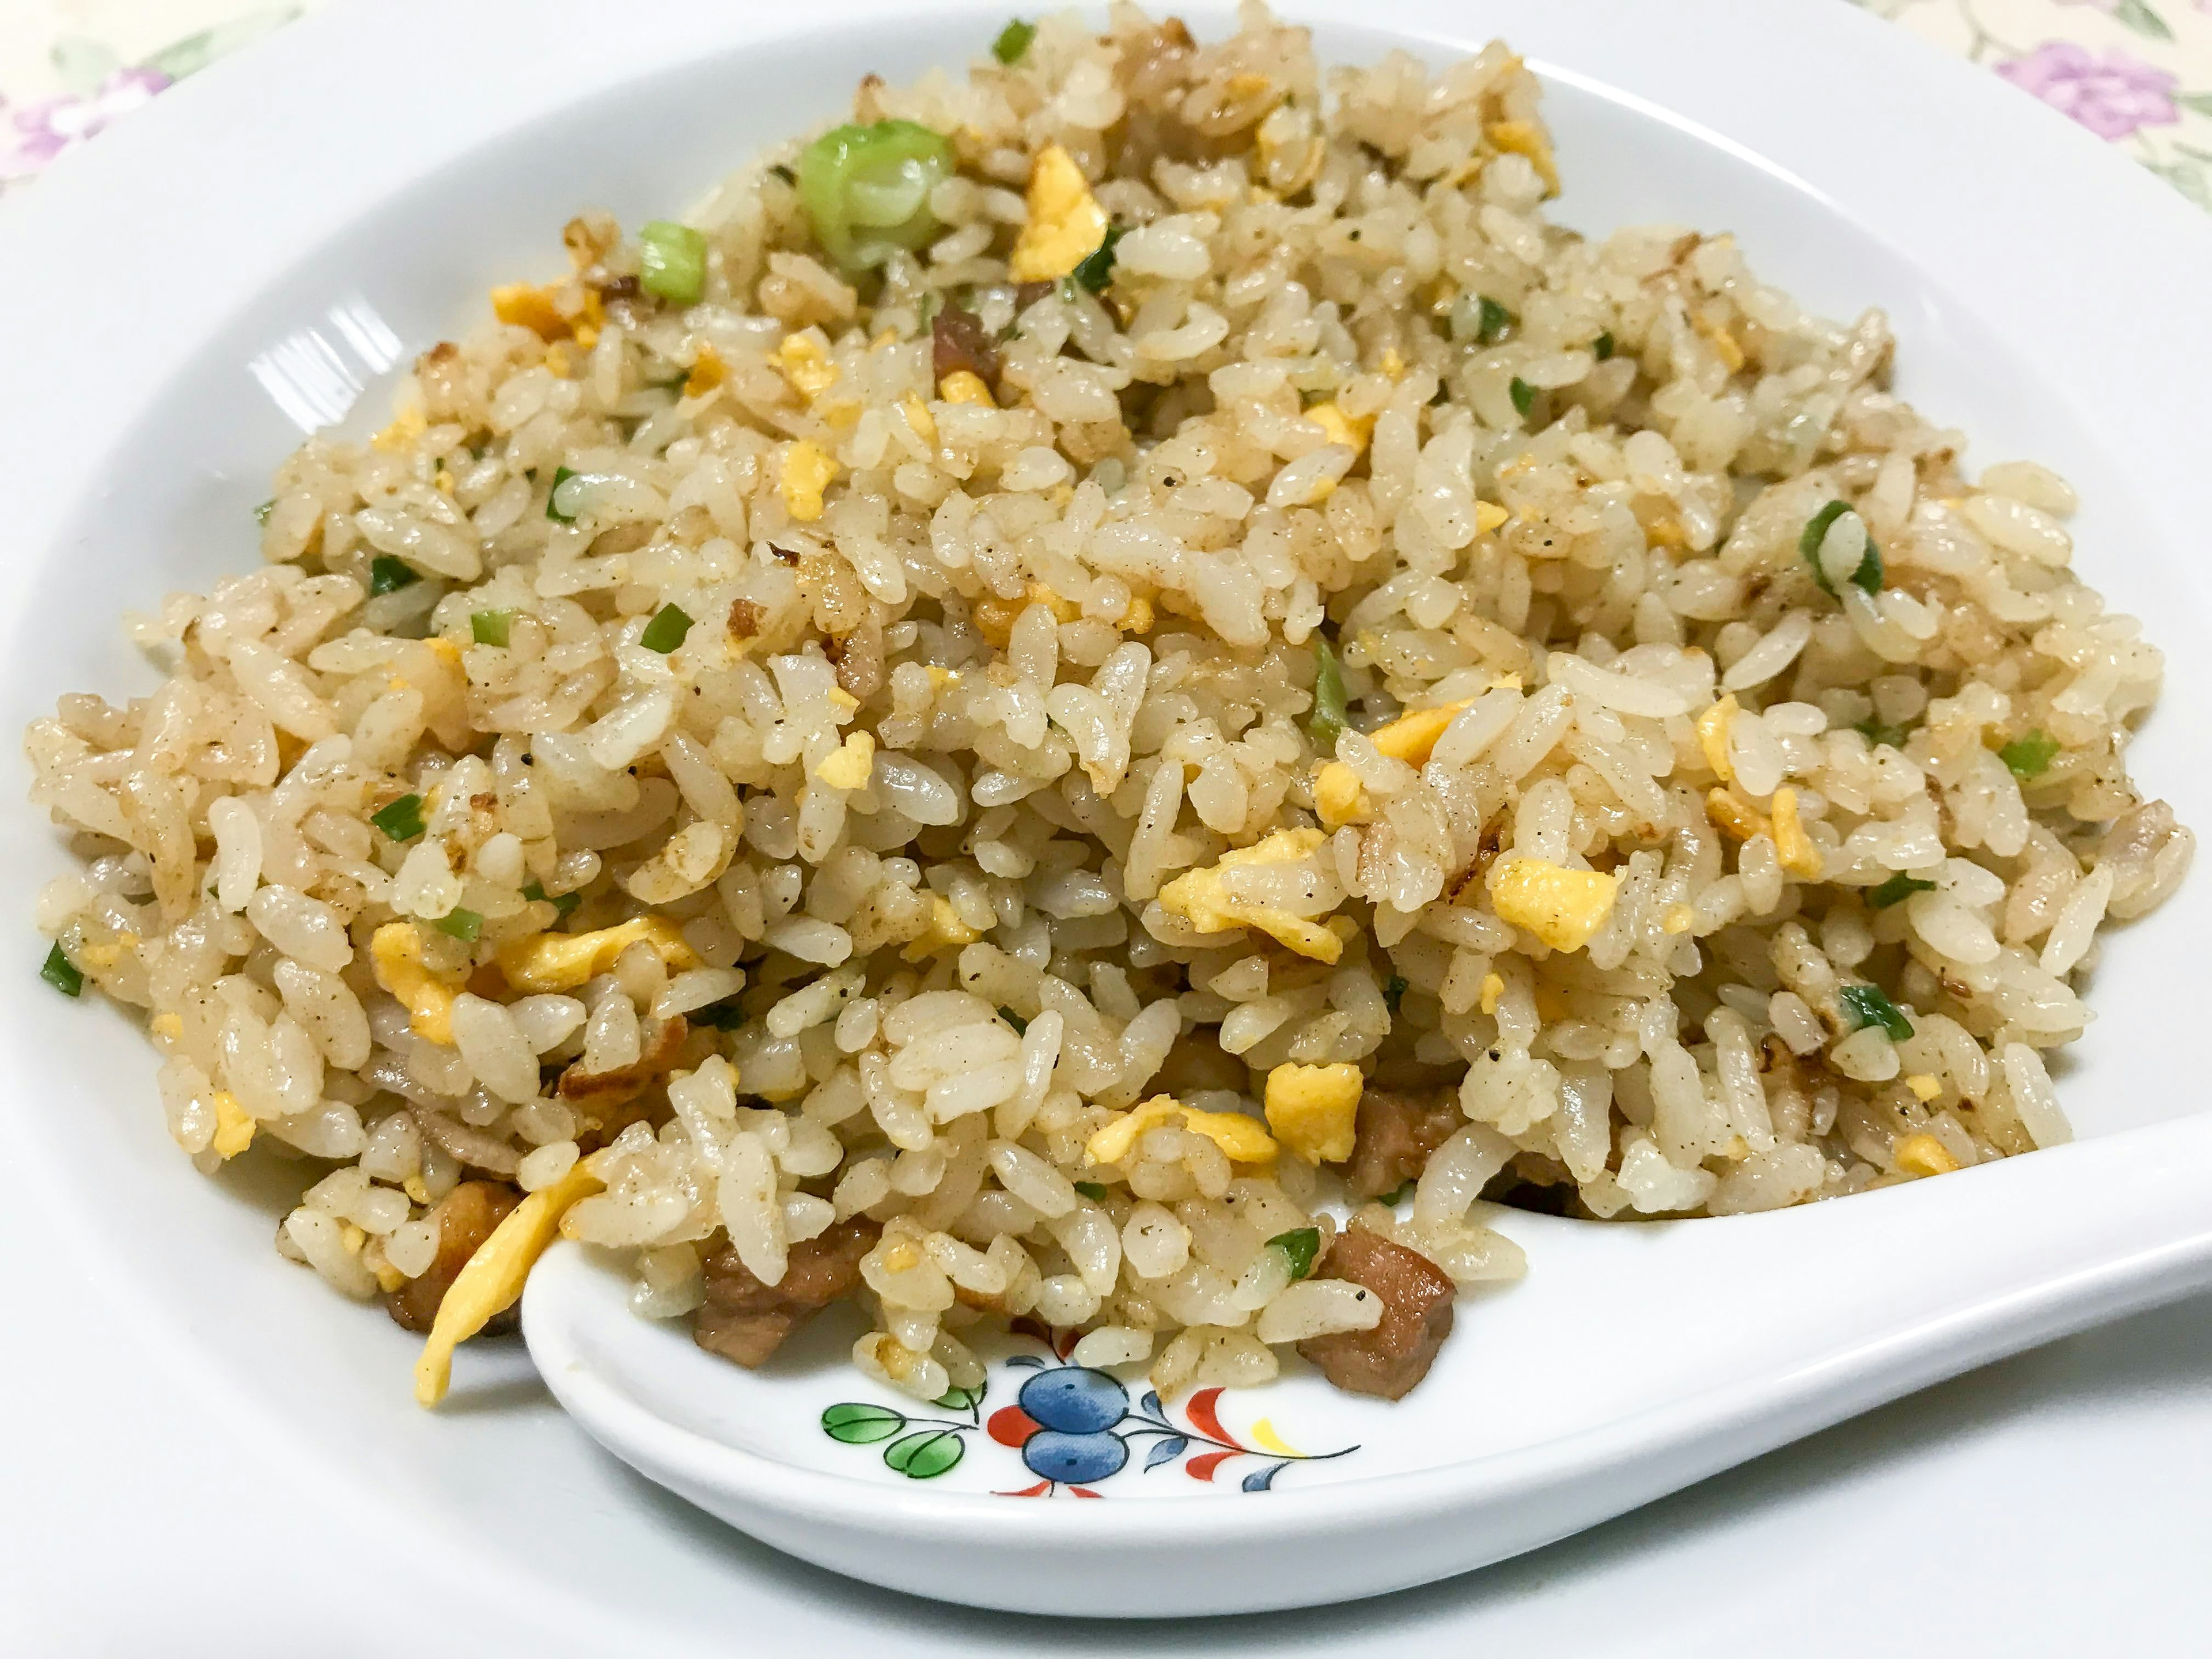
2191	178
2137	15
196	52
82	64
2199	101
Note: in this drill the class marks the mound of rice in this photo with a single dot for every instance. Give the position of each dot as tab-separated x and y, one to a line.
1707	860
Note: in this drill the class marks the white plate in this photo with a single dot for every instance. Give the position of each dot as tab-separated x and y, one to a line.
425	154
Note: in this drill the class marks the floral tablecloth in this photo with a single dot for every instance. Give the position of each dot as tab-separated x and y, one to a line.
2137	73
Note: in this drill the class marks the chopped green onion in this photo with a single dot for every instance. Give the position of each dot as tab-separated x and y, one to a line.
866	190
402	820
1021	1026
1301	1245
1869	1006
1013	42
1394	991
723	1016
2030	755
1601	347
1093	1190
1875	732
562	903
61	974
388	575
1393	1200
465	926
1867	576
1328	720
1898	889
1524	396
665	631
561	475
1491	319
490	627
1096	272
784	174
672	262
261	512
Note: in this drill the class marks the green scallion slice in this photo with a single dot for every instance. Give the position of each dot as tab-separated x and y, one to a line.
1329	718
1868	1005
261	512
866	190
388	575
665	631
1301	1245
1021	1026
1013	42
1393	1200
61	974
1524	396
465	926
1394	993
1093	1190
2030	755
1491	319
490	627
402	820
672	262
1898	889
1601	347
562	903
561	475
1868	575
1875	732
1096	272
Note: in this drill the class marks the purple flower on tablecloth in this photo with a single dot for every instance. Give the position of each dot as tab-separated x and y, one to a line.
32	135
2112	99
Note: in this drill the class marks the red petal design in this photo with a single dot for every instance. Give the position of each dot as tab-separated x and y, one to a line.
1010	1425
1202	1468
1085	1492
1200	1409
1037	1490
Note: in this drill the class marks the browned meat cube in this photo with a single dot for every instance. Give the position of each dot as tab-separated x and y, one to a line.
465	1219
1417	1316
958	341
1394	1135
746	1321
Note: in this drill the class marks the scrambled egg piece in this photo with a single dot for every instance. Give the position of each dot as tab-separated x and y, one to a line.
491	1279
1339	798
233	1129
964	386
919	417
1342	429
1527	138
395	951
807	469
1493	987
806	366
1488	515
561	962
529	307
402	432
849	767
1724	345
708	371
1066	223
1923	1085
1799	857
1202	897
947	932
1564	907
1677	919
1240	1137
1410	738
1312	1109
1924	1155
1713	736
1734	816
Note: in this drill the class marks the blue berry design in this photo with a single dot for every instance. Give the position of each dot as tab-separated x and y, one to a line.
1074	1459
1075	1399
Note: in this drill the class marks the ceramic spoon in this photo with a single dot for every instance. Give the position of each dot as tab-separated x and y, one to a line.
1634	1360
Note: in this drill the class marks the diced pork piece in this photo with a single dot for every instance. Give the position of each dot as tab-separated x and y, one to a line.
1417	1316
1395	1134
464	1217
746	1321
958	341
